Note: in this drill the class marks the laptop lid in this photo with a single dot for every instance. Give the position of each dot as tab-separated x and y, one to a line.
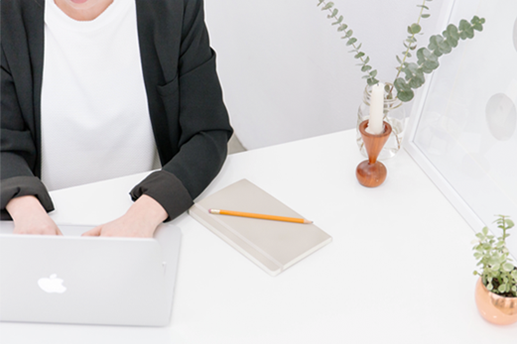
88	280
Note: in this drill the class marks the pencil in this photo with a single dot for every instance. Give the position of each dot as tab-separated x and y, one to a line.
257	216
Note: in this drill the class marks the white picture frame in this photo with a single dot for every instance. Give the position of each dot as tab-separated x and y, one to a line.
462	130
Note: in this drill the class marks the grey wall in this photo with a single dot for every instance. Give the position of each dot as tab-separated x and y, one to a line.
286	73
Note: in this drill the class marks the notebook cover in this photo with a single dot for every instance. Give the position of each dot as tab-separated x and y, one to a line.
272	245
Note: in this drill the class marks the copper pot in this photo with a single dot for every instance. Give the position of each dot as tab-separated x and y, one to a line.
494	308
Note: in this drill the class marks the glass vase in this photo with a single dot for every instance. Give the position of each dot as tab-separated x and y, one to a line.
394	114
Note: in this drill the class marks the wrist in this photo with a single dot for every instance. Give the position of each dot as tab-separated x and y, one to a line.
19	206
149	210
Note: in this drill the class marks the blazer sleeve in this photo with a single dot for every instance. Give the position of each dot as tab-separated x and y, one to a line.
17	148
203	120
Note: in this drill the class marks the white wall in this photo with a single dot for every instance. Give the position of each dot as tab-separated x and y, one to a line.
286	73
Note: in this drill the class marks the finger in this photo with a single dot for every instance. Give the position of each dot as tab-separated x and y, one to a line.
93	232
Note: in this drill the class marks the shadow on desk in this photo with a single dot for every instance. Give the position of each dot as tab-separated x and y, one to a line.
25	333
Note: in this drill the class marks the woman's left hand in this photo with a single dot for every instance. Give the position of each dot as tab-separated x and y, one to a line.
141	220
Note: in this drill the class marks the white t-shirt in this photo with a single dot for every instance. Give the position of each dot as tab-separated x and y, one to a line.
95	121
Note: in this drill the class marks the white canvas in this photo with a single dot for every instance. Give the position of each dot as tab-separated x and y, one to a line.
464	127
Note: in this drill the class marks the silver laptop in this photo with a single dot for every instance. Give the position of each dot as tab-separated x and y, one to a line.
88	280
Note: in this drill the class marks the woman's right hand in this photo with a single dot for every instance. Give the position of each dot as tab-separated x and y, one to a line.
30	217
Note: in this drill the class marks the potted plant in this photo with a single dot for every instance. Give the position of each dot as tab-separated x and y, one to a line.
410	76
496	288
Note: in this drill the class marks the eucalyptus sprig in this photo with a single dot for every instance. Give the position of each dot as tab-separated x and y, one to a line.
370	73
410	43
427	58
499	275
413	30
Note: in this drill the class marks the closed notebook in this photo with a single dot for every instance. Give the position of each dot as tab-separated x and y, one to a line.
272	245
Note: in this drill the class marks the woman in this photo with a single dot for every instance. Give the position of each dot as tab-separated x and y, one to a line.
91	90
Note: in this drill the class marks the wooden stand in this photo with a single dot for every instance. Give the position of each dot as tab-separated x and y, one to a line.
372	173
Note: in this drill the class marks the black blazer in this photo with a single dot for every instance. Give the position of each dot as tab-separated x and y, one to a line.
190	123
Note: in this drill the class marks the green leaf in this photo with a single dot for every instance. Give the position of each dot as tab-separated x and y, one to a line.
372	81
365	68
423	6
373	73
429	66
490	286
349	33
477	23
351	41
327	6
444	47
415	28
466	30
359	55
333	14
502	288
398	59
452	42
485	230
433	42
464	25
342	27
401	85
492	260
338	21
509	223
413	67
426	15
417	80
367	60
452	31
405	96
508	267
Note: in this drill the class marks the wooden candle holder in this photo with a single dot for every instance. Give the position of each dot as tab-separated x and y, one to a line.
372	173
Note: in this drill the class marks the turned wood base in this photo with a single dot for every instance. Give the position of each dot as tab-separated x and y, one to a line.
371	175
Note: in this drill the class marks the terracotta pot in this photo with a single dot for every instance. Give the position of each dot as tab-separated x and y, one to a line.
496	309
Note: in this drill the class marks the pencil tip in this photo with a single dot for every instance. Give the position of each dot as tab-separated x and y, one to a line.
307	221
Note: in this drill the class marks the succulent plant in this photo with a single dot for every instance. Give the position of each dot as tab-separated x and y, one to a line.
498	274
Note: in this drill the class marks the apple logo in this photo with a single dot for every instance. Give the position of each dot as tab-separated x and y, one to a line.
52	284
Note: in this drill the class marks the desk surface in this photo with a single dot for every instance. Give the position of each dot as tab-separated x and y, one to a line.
399	269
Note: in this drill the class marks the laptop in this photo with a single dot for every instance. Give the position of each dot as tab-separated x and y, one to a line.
88	280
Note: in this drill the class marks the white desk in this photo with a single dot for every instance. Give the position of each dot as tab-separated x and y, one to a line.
398	271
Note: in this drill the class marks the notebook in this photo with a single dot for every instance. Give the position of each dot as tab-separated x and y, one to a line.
88	280
272	245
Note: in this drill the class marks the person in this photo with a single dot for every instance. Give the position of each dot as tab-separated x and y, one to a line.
96	89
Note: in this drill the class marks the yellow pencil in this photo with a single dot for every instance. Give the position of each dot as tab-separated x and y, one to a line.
258	216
